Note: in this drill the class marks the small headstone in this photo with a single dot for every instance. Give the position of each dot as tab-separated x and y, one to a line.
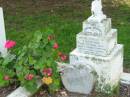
3	50
76	78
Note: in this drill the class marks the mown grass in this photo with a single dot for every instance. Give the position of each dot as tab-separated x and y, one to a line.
66	21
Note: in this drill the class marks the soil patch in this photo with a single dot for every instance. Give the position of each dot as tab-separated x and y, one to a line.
7	90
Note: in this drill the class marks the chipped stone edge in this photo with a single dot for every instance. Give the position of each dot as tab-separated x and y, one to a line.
22	92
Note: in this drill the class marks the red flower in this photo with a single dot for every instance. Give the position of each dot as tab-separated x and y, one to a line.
6	77
10	44
47	71
55	46
29	77
63	57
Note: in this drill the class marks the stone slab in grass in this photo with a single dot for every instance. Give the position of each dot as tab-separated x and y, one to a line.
22	92
3	50
125	78
125	85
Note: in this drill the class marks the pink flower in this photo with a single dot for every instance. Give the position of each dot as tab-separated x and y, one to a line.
6	77
55	46
63	57
29	77
47	71
9	44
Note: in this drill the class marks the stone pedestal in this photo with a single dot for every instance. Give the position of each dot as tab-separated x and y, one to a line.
3	50
100	57
108	69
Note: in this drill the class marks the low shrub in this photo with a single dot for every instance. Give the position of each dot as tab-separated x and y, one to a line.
35	61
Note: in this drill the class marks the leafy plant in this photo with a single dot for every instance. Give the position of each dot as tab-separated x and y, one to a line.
35	61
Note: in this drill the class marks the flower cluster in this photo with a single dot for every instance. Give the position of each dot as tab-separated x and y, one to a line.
47	72
36	60
55	46
6	77
29	77
47	80
10	44
62	56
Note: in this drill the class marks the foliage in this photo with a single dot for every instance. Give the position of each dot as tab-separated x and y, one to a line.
7	69
35	61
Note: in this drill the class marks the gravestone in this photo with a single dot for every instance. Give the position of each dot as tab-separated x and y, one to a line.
99	54
3	50
74	78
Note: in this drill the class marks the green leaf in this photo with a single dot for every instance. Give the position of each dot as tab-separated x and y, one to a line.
31	60
31	86
56	85
9	58
3	83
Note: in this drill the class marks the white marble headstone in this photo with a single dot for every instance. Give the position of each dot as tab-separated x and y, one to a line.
3	50
96	47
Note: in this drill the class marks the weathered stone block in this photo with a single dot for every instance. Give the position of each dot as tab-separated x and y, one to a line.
108	69
97	29
101	46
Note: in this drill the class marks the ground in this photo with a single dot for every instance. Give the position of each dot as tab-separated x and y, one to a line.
65	17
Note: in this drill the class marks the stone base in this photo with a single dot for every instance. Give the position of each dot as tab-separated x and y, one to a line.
98	18
108	69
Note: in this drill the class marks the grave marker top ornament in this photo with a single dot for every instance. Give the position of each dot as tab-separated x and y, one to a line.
97	13
3	50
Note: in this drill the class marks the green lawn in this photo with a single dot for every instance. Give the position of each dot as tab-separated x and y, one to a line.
65	17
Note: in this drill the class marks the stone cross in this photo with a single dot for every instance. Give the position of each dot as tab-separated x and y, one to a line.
3	50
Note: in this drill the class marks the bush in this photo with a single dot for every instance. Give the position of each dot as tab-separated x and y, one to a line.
35	61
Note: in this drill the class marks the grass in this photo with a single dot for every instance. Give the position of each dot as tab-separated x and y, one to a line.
65	18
